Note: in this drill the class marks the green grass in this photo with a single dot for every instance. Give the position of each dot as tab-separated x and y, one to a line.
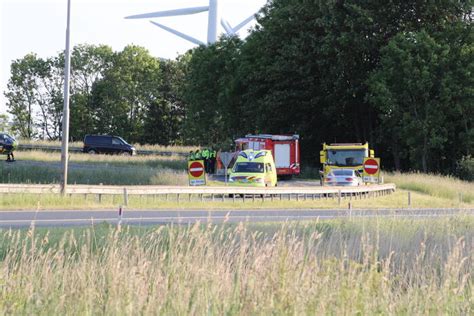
80	144
444	187
43	167
54	201
340	267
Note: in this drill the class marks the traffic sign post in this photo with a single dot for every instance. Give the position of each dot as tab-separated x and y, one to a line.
196	173
371	168
226	158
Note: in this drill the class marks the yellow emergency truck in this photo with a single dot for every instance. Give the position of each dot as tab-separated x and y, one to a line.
254	168
343	156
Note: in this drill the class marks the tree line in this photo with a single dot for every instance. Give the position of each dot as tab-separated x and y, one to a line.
397	74
128	93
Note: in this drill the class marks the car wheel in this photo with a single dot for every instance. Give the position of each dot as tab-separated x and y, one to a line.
92	151
125	153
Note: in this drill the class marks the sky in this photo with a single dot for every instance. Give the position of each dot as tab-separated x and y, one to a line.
39	26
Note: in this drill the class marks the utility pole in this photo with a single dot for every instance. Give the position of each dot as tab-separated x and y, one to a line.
65	125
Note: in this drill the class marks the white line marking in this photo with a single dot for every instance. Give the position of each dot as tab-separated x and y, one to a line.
371	167
196	169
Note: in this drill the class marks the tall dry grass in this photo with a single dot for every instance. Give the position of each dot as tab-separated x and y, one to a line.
338	268
446	187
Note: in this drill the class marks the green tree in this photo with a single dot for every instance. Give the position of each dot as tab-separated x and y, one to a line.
126	91
422	91
88	65
29	93
164	117
212	112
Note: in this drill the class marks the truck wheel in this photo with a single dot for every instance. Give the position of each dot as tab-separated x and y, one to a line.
92	151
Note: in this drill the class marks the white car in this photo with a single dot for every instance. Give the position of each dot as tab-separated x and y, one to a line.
343	177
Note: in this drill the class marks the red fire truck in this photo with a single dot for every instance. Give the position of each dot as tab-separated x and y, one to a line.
285	150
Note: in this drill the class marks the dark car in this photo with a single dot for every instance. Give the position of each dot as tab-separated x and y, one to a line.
107	144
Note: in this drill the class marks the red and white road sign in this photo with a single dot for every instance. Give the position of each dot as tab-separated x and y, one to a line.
196	169
371	166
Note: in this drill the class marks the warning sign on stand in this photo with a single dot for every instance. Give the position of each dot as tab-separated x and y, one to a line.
371	172
196	173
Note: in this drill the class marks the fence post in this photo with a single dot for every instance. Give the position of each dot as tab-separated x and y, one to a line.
409	198
125	197
339	197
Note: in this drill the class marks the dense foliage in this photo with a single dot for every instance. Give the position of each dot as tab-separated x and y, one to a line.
396	74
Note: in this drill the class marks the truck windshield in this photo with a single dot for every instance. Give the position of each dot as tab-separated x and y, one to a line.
351	157
248	167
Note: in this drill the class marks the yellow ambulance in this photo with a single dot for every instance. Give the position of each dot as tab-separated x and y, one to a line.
254	168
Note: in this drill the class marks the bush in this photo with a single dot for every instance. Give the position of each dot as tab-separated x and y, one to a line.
465	168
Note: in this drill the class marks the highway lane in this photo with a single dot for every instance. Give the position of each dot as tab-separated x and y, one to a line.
63	218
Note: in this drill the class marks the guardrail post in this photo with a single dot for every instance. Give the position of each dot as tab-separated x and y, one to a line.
223	197
212	197
263	197
233	198
125	197
253	197
339	197
202	197
243	198
100	198
189	197
177	197
409	198
271	197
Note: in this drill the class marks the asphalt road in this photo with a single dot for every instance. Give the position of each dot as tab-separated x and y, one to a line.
63	218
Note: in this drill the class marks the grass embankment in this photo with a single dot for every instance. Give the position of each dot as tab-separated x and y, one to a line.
444	187
44	167
341	267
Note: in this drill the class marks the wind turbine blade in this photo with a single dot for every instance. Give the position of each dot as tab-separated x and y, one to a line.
160	14
241	24
227	27
177	33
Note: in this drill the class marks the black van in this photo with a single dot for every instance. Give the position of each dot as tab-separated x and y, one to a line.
107	144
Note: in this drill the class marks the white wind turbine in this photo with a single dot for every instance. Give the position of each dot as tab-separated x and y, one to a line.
212	8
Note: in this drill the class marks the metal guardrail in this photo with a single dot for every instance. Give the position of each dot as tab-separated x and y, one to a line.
209	191
79	150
